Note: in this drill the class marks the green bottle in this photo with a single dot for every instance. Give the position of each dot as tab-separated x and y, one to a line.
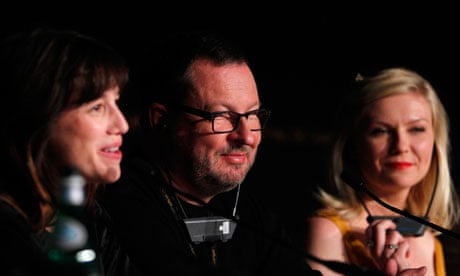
70	250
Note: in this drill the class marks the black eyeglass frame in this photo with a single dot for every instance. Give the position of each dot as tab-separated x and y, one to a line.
262	114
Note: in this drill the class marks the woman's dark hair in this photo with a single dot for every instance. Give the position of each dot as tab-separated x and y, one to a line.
43	73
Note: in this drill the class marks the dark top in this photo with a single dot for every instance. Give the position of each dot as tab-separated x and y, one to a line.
22	251
149	220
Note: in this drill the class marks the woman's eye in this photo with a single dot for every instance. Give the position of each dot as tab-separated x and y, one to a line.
378	131
97	107
417	129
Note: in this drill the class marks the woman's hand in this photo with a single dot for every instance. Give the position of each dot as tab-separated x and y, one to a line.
391	269
389	249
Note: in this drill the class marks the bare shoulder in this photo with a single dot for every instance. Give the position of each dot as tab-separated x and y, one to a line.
324	240
323	227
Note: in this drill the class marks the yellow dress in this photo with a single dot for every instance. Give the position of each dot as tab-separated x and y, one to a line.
359	255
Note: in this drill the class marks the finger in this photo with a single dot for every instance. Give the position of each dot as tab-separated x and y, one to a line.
390	250
394	236
392	243
391	267
420	271
401	256
380	229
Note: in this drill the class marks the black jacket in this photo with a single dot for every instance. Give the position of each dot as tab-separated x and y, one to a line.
153	232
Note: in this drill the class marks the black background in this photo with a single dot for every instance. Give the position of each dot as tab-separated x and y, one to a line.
304	57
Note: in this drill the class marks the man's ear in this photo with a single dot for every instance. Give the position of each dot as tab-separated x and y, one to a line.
157	115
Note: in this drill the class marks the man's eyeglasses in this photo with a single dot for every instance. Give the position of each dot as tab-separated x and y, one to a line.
227	121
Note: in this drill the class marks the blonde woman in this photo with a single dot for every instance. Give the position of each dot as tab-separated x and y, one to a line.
394	135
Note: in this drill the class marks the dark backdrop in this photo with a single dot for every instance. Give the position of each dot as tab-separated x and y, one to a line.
304	58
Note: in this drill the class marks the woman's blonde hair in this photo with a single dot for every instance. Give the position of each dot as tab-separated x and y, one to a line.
444	208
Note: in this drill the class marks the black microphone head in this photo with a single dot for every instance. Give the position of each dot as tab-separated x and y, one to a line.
352	181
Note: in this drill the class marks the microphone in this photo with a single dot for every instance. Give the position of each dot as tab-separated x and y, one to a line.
358	185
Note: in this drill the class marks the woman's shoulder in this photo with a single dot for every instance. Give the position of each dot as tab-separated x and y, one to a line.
327	221
20	246
10	217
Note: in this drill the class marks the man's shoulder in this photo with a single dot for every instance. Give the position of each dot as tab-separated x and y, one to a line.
136	173
139	183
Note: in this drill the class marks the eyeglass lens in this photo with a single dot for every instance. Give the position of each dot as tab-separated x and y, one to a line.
229	121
